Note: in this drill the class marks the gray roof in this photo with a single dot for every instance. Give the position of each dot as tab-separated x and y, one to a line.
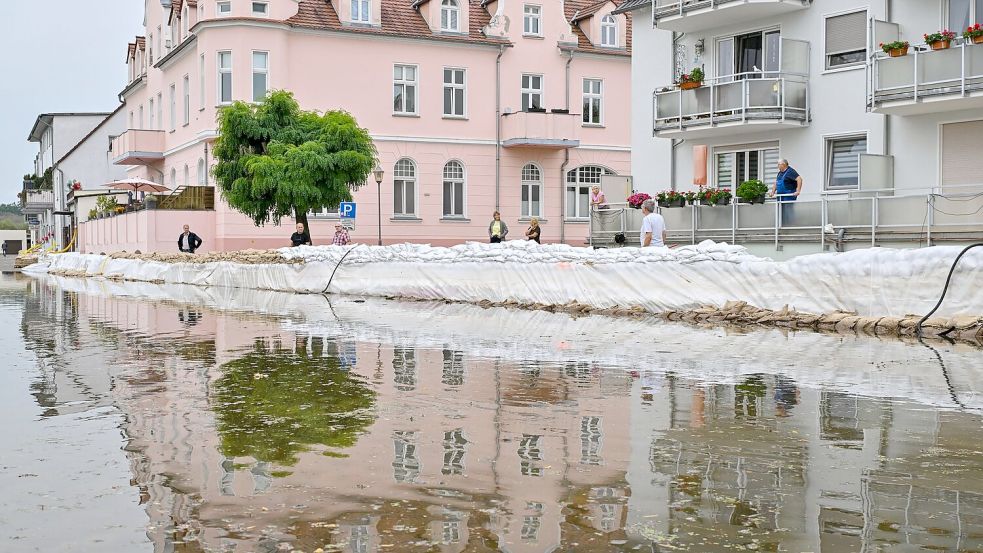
632	5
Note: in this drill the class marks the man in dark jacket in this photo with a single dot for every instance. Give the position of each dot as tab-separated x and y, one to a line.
188	242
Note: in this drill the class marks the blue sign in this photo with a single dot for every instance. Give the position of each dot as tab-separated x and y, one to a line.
346	210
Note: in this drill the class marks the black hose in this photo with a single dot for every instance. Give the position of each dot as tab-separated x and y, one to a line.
918	328
336	268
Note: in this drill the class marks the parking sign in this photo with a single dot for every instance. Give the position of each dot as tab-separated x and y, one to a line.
346	210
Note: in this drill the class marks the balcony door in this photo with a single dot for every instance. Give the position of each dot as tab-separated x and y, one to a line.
963	13
751	55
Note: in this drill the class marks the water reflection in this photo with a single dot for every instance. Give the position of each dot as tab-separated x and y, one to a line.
282	430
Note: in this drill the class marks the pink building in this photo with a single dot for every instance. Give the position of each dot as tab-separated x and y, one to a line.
472	105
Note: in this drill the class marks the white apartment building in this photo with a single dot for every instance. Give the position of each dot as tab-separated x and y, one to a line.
807	81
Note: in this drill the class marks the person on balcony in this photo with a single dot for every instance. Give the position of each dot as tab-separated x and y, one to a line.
497	230
341	237
653	226
534	231
188	242
597	199
301	237
788	184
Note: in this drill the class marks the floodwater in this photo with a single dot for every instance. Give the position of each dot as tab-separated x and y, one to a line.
145	417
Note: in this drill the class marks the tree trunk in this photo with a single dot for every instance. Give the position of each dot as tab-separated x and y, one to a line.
302	218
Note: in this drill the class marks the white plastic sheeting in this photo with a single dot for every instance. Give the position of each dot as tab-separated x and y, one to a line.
944	375
873	282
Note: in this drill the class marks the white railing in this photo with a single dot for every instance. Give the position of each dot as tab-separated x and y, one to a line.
923	72
668	8
733	98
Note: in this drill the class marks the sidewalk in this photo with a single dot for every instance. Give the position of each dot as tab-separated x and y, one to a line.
7	263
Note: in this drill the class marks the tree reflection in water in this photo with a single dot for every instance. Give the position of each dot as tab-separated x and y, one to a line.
272	404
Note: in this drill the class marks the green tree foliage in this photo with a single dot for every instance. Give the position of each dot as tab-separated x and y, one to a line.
273	403
276	160
44	182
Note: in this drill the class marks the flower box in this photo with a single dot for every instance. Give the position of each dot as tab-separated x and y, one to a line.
941	44
898	52
678	202
690	85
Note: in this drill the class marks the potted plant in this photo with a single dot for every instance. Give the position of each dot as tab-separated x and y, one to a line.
636	199
974	34
691	80
752	191
670	198
691	197
896	49
940	40
721	196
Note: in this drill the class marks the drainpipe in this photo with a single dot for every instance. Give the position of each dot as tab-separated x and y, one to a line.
498	126
566	154
676	37
887	117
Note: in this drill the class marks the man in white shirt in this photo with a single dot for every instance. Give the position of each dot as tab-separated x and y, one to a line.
653	226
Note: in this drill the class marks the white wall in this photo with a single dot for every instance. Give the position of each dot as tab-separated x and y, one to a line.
89	163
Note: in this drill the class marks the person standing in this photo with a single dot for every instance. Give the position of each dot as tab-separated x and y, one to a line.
534	231
188	242
4	249
341	237
597	199
653	226
497	230
788	183
300	237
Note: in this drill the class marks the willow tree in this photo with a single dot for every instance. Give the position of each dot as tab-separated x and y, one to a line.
276	160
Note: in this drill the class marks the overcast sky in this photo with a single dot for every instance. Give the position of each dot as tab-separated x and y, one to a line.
59	56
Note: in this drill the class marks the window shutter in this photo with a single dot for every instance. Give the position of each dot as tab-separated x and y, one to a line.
846	33
961	147
844	162
771	166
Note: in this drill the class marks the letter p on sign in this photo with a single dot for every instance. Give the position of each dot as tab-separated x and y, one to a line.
346	210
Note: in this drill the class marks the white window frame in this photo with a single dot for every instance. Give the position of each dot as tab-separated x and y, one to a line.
186	90
201	81
160	110
609	31
220	12
458	92
173	178
150	47
766	173
140	117
577	185
828	142
187	176
454	182
405	83
827	68
361	11
946	12
528	184
202	174
184	21
527	92
450	16
588	98
403	179
172	91
153	121
264	71
264	13
222	71
532	20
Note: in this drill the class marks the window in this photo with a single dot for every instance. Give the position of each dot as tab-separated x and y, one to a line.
173	98
201	81
455	446
404	369
736	164
153	123
843	161
530	451
406	463
592	102
184	21
404	188
846	40
449	16
260	75
173	179
160	110
150	48
202	176
961	146
261	9
531	21
749	56
404	89
453	189
590	440
963	13
532	192
186	92
140	120
532	92
223	8
187	176
609	31
579	181
453	92
225	77
360	11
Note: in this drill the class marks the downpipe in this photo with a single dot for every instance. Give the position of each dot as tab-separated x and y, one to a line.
498	127
566	156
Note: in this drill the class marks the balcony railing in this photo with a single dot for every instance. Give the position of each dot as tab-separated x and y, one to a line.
926	80
540	129
38	202
693	15
137	147
733	104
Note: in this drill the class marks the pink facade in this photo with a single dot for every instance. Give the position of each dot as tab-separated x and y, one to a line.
439	142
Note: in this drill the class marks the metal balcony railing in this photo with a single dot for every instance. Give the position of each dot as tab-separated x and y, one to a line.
923	73
739	98
665	8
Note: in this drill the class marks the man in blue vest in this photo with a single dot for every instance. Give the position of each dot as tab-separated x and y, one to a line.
788	182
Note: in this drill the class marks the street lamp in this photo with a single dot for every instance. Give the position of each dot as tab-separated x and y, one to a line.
378	173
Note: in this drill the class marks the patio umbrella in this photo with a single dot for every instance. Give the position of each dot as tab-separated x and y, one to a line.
137	185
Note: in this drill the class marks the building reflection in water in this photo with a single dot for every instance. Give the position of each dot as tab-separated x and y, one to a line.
244	436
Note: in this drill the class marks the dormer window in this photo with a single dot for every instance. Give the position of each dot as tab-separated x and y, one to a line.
531	20
223	8
609	31
450	16
184	22
360	11
261	9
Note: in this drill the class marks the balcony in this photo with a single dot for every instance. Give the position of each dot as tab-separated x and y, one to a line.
529	129
686	16
735	104
38	202
926	80
137	147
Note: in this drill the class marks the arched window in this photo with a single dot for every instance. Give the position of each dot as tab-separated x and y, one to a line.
579	183
532	191
404	188
187	176
453	189
202	175
449	16
173	179
609	31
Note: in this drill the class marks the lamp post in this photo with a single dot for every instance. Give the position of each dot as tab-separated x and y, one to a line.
378	173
